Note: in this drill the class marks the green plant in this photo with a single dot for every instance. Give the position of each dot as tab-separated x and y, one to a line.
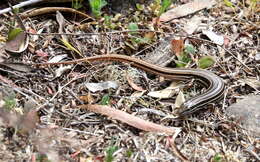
253	4
105	100
217	158
164	6
110	153
9	102
129	153
184	58
96	6
42	158
108	22
139	7
16	10
228	3
160	6
206	62
133	27
76	4
135	39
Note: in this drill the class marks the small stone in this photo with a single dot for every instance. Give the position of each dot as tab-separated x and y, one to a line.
257	57
247	111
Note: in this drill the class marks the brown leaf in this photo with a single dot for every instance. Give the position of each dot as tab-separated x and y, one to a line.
149	35
42	54
29	121
18	44
227	41
87	98
177	46
129	119
133	85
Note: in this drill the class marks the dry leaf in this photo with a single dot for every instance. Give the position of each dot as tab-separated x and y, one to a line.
218	39
149	35
49	90
2	39
167	92
40	53
87	98
18	66
61	70
177	46
29	121
252	82
192	24
179	99
30	118
18	44
94	87
138	94
133	85
57	58
130	119
61	21
227	41
186	9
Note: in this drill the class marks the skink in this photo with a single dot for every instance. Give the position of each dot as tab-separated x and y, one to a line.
214	84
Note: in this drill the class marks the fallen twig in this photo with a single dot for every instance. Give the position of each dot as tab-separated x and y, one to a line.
130	119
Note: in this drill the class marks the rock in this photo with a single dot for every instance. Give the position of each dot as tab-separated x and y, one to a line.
247	111
257	57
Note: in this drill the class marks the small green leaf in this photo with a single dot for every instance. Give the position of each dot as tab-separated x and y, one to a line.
183	60
129	153
77	4
13	33
228	3
180	64
16	10
140	40
189	49
217	158
133	27
42	157
105	100
107	19
165	5
96	6
9	101
206	62
109	153
139	7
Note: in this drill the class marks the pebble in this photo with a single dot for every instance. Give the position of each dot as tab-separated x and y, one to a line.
247	111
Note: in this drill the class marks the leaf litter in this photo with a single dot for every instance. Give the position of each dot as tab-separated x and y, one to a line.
65	130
